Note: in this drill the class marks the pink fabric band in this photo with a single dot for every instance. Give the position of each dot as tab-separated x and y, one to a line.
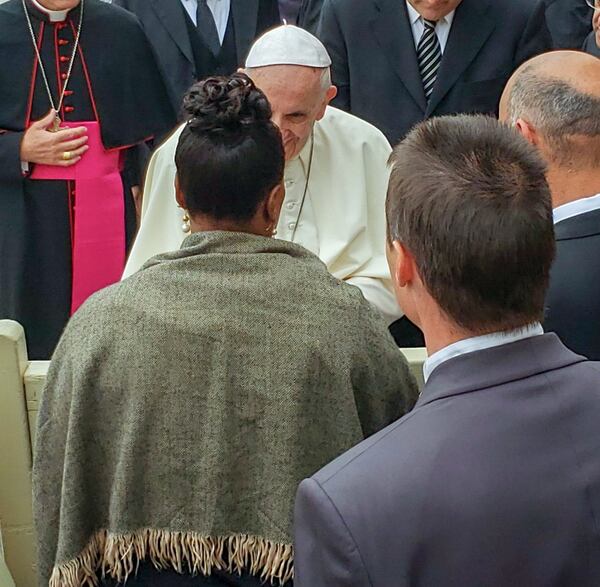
98	247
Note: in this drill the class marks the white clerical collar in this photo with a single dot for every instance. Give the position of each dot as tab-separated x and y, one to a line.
414	16
53	15
478	343
576	208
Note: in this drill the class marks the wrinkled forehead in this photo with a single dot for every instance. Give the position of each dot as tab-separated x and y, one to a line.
289	86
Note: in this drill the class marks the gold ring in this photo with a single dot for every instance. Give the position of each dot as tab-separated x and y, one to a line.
67	156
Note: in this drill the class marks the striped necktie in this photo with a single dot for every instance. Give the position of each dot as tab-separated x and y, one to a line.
205	23
429	56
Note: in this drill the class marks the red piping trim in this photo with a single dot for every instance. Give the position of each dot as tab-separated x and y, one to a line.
70	188
132	145
34	76
85	73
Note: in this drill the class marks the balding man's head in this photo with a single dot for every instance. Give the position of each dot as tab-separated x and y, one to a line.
554	100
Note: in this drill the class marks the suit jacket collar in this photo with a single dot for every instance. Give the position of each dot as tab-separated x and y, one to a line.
471	28
582	225
244	14
497	366
245	18
171	15
391	27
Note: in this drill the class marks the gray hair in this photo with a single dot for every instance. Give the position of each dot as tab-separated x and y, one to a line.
560	113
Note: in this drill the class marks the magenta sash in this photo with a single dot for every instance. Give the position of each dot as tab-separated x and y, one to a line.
98	243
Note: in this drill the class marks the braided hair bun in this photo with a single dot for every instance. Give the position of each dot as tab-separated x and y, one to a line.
225	105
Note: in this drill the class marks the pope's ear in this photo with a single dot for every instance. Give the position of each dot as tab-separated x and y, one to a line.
332	92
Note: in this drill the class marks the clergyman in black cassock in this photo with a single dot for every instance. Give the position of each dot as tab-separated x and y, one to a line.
116	86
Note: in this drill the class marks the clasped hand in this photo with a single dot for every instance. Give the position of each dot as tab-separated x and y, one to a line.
64	147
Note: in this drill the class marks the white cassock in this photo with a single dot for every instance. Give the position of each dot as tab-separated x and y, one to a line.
342	219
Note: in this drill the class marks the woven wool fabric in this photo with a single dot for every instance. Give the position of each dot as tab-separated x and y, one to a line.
184	405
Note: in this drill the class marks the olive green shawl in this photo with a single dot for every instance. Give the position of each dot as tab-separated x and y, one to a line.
184	405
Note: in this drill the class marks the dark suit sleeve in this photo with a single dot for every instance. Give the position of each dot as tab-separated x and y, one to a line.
536	38
10	158
330	33
325	553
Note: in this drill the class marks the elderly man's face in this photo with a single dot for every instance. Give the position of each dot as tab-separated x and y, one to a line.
297	99
434	9
59	4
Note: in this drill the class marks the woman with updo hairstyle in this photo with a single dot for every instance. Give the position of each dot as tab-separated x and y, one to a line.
230	158
185	404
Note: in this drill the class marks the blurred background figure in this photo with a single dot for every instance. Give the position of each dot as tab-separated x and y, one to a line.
336	172
569	22
197	38
592	42
184	405
554	102
397	62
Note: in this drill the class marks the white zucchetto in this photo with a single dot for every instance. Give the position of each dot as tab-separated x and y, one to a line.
288	45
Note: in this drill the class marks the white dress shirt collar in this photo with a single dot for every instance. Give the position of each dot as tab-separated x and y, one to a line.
53	15
576	208
442	29
478	343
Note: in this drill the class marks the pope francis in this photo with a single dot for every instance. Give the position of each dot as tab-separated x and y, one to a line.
336	172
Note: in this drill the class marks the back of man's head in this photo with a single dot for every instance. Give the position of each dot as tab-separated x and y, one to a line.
468	199
558	95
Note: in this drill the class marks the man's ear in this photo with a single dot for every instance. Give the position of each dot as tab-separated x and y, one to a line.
179	197
329	95
527	131
273	204
403	266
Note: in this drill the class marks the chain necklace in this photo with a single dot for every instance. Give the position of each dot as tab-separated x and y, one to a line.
56	107
310	162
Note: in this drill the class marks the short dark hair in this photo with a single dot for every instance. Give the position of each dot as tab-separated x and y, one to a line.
230	155
468	198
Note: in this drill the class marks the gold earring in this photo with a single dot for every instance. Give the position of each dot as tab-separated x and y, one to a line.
186	223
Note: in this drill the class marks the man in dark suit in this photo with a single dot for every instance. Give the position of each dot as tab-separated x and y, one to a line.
569	22
494	478
288	9
592	42
554	101
397	62
310	15
197	38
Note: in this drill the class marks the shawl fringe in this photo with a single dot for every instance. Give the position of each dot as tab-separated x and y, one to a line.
119	556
